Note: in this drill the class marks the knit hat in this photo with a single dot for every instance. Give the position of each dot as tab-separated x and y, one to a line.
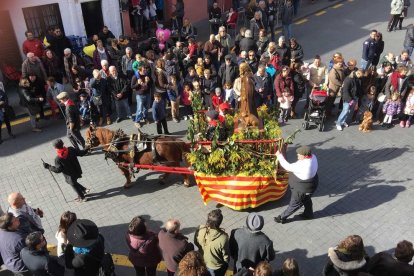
62	95
254	222
304	150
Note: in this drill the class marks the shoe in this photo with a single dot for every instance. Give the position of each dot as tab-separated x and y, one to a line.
108	121
346	125
79	199
167	133
383	125
129	117
407	124
279	219
306	217
11	135
402	124
185	118
86	191
35	129
292	115
191	117
118	120
137	125
338	127
176	120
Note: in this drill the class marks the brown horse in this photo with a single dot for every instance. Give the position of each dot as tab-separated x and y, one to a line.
122	148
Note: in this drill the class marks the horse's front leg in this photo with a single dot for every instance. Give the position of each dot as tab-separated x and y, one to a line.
186	180
162	178
127	174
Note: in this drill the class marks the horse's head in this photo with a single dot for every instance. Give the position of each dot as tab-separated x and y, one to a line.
91	138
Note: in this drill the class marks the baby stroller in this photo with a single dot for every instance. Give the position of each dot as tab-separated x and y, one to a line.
316	113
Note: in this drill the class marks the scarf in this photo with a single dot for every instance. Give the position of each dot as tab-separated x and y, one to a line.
69	102
395	80
62	153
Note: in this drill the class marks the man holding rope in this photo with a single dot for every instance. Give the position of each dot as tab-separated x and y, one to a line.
303	181
67	162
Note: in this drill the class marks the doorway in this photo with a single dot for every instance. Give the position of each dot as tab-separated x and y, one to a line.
92	17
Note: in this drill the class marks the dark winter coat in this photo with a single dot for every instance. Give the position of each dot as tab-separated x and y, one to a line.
284	53
173	248
59	44
369	49
263	82
247	44
72	115
11	243
250	248
339	261
296	53
233	73
101	89
144	250
69	166
287	14
29	100
40	263
86	264
384	264
352	88
118	85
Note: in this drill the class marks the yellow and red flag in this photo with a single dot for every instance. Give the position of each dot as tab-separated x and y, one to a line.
241	192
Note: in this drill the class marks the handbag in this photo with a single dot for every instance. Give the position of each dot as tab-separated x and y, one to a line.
381	97
97	100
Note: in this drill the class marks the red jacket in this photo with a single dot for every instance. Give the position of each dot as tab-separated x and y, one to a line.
281	83
216	100
35	46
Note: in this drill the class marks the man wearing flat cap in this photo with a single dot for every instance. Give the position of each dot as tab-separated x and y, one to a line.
67	162
72	120
303	181
249	245
228	72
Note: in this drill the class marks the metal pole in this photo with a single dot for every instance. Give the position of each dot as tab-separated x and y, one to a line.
55	181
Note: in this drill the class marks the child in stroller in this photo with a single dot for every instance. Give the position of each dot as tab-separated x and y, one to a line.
316	112
87	109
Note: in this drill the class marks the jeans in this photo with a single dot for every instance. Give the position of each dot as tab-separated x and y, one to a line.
122	108
287	31
409	50
84	111
218	272
142	111
365	64
346	110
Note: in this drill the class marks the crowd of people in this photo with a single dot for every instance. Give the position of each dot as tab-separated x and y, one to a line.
81	248
101	89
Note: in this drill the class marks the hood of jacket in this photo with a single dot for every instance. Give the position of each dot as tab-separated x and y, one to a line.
209	234
341	260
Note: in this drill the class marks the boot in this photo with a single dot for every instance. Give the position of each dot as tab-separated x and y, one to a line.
408	124
108	121
11	135
100	121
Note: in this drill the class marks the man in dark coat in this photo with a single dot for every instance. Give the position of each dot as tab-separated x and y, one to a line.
118	87
384	264
173	245
59	42
11	243
249	245
72	120
67	162
369	50
247	43
228	71
36	257
409	39
303	181
263	86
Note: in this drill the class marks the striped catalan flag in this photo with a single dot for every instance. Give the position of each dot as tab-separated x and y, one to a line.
241	192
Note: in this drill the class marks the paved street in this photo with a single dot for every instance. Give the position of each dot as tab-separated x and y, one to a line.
366	186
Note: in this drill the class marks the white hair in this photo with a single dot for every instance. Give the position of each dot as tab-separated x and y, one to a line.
248	33
104	62
67	51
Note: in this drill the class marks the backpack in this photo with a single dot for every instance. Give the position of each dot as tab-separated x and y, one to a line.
107	266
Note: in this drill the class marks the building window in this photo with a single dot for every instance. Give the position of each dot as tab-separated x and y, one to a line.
40	18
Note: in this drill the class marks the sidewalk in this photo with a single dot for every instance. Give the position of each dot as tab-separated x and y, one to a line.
306	9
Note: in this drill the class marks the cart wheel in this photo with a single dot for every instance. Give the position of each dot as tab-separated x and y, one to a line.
322	124
305	124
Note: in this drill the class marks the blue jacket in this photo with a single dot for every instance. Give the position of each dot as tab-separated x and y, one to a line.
11	243
369	49
158	110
